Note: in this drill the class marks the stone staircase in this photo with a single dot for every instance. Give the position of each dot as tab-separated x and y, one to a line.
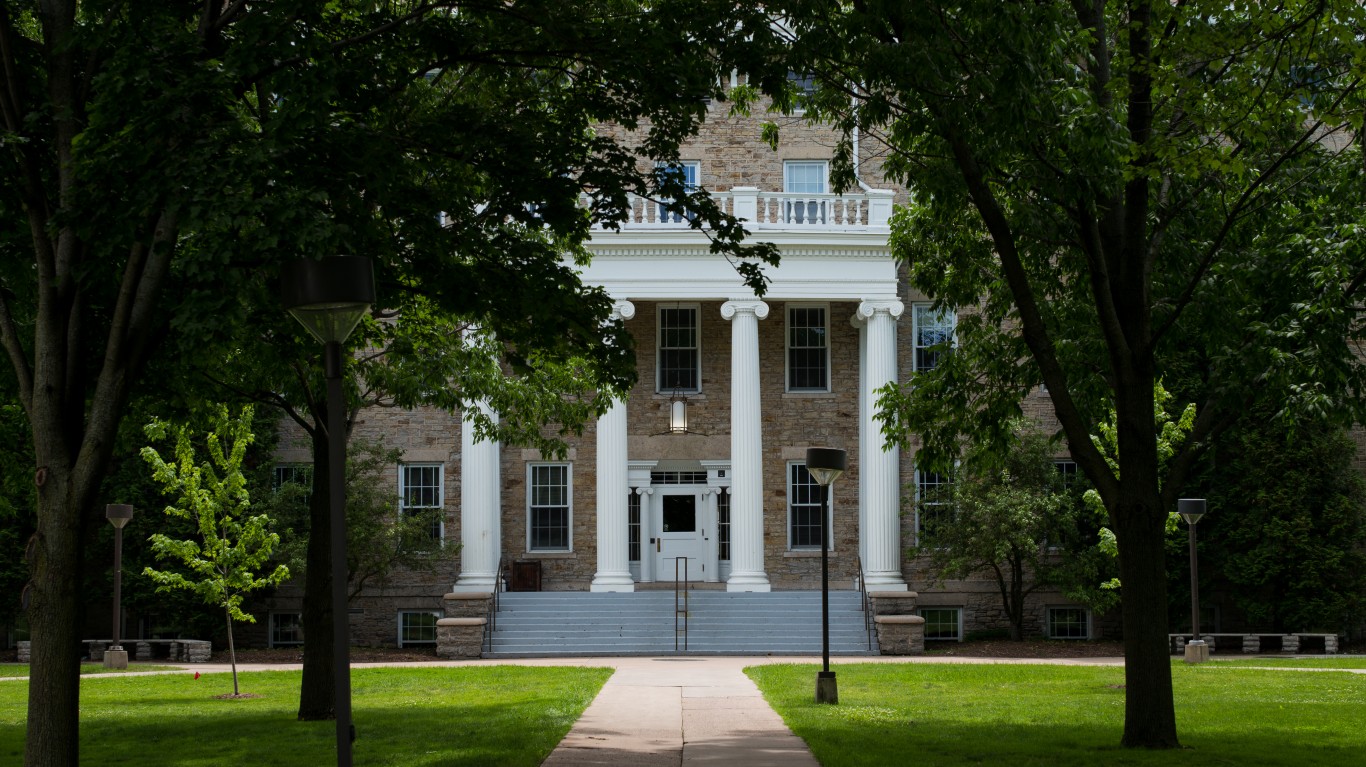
577	623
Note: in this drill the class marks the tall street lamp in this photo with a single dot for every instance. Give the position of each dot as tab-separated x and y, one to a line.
825	464
1191	510
118	515
329	297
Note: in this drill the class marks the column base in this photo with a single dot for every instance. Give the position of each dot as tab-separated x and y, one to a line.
884	582
827	691
757	582
612	582
485	582
116	658
1197	651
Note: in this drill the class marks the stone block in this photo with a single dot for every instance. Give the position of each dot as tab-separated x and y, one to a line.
893	602
460	638
900	634
1252	643
467	604
24	650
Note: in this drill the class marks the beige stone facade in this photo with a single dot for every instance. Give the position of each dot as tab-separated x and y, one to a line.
841	265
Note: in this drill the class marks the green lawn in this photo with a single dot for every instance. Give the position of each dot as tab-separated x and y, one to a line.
949	714
11	670
1326	661
477	716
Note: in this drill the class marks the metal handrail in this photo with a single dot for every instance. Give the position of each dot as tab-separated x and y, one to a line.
491	624
863	602
683	625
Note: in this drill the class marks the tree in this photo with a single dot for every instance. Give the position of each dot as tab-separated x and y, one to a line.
1285	540
226	563
1113	188
166	157
1007	513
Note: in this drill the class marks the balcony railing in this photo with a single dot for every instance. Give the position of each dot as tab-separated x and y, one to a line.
770	210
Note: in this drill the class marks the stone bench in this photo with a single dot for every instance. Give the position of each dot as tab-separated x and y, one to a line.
177	650
1251	642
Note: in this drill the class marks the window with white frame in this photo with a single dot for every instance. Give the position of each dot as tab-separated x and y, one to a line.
803	508
808	348
680	357
421	495
943	623
1069	623
804	177
417	627
548	507
292	474
806	88
932	334
686	173
1067	472
286	629
933	508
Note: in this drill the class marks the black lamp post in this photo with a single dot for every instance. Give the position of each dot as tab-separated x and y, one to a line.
118	515
1191	510
825	464
329	297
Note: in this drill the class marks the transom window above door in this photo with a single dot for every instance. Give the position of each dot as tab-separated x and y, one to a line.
679	363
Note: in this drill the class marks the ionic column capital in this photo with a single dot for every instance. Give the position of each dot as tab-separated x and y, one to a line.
869	307
731	308
645	491
623	310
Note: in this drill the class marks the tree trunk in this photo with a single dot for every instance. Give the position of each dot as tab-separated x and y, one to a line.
232	655
53	606
316	690
1140	528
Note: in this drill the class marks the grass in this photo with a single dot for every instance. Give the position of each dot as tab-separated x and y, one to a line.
1353	662
12	670
420	717
935	715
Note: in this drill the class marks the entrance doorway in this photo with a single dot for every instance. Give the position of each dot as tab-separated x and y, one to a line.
680	535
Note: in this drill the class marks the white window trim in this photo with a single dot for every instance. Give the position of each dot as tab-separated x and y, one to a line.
1048	623
829	516
959	610
915	330
270	628
787	348
825	175
569	499
399	619
918	485
440	487
659	344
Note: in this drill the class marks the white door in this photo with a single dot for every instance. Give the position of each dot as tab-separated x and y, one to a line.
679	535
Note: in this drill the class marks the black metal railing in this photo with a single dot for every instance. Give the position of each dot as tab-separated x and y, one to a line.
491	624
681	602
864	603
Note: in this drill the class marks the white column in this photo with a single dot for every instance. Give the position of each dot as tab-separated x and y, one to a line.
614	571
746	448
857	321
647	534
880	462
480	541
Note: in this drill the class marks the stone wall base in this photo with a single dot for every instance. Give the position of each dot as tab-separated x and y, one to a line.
900	634
460	638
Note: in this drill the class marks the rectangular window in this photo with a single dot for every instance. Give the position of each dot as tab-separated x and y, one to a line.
1069	623
548	507
421	496
943	623
1067	471
723	525
292	474
808	349
932	506
633	526
416	627
805	85
803	508
685	173
932	334
286	629
679	350
804	178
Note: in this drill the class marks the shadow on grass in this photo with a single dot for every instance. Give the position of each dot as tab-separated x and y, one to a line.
403	717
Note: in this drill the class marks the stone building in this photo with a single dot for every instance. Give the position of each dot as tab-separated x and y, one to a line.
758	382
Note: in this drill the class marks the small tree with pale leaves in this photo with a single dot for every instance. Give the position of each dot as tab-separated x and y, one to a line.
233	547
